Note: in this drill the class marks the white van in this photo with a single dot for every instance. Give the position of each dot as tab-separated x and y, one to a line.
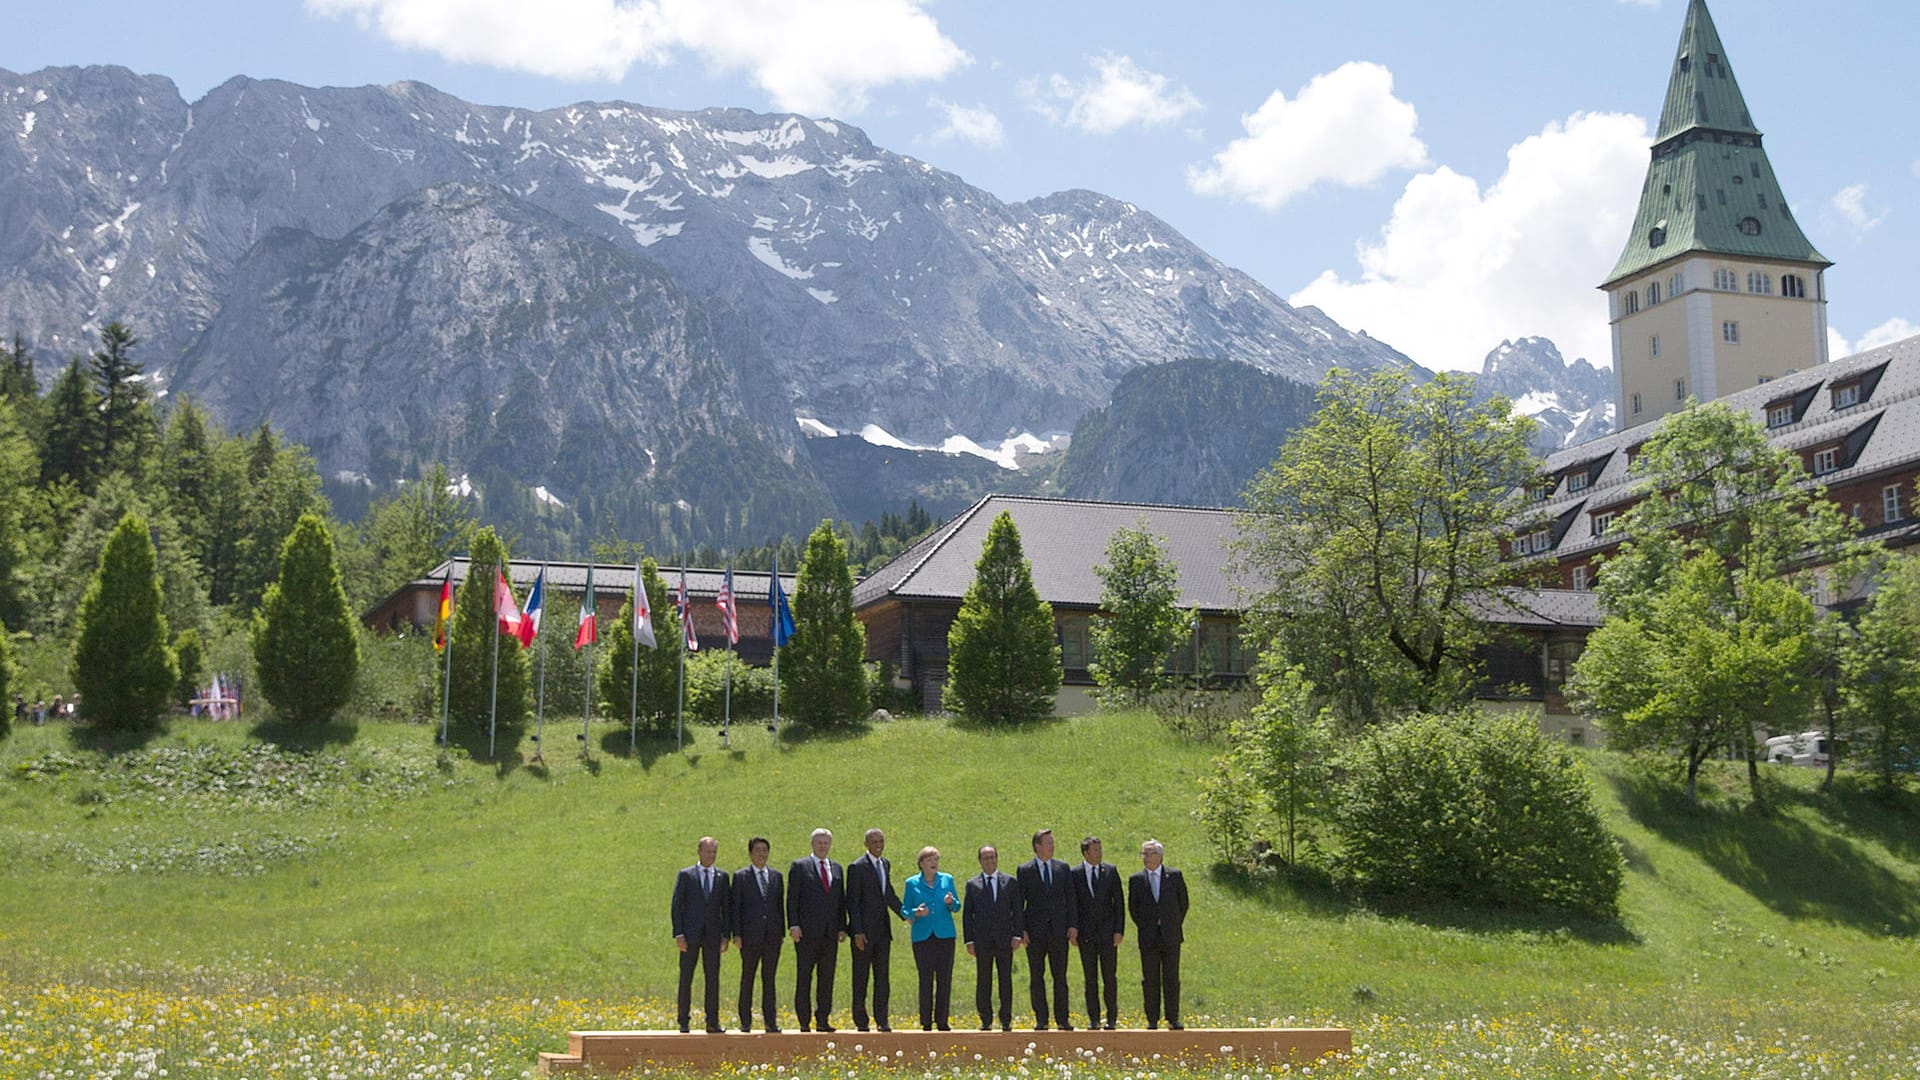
1807	748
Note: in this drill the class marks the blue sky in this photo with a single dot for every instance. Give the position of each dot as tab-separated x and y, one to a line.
1443	176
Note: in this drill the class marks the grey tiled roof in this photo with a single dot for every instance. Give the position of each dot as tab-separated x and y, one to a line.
1064	540
571	577
1892	443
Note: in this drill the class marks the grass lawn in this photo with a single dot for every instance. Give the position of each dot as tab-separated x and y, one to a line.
208	907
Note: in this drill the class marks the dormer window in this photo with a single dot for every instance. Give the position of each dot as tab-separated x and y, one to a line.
1846	396
1657	238
1602	522
1825	460
1540	541
1780	415
1578	481
1749	226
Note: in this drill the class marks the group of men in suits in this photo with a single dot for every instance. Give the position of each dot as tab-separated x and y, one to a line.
1044	907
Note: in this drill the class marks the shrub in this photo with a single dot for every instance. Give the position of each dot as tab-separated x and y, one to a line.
707	689
883	694
652	698
1474	809
191	659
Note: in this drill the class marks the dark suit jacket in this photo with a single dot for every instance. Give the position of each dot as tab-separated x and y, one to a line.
759	920
701	916
992	922
1049	908
1158	924
1101	913
870	900
818	914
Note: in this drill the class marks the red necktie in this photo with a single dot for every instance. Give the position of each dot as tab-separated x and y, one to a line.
826	882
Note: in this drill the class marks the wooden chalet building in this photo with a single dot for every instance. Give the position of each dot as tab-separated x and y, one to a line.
413	605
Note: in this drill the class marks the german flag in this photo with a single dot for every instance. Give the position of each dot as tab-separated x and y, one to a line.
444	621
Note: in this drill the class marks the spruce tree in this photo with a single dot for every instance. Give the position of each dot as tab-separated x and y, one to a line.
125	422
1003	659
303	636
658	689
821	670
474	649
121	664
70	449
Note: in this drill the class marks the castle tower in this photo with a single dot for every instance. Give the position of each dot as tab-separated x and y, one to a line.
1718	289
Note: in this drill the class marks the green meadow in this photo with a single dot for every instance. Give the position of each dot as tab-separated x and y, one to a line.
206	905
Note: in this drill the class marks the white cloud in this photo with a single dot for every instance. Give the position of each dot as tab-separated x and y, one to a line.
1850	203
1894	329
1345	127
1641	3
1457	269
810	56
1120	94
975	124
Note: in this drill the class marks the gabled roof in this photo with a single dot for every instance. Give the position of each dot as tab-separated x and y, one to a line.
571	577
1709	188
1065	539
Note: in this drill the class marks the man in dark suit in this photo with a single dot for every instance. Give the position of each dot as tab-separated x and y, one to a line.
993	927
1157	900
760	931
872	905
1046	890
1102	915
817	922
701	914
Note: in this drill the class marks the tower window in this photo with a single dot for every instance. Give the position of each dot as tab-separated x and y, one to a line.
1679	389
1758	282
1755	168
1702	196
1730	332
1653	346
1793	285
1674	284
1630	301
1636	404
1763	199
1721	195
1725	280
1686	63
1653	293
1749	226
1657	238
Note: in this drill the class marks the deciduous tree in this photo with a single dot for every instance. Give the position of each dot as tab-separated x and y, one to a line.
1378	534
1881	669
1141	623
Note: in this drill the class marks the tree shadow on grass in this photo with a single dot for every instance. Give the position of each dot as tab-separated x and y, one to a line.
1314	890
645	746
792	734
304	738
1781	861
989	728
505	757
1856	804
112	742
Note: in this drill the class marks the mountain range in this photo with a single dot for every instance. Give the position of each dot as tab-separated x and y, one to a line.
603	309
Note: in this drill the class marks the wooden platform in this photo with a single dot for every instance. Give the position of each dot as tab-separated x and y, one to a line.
591	1052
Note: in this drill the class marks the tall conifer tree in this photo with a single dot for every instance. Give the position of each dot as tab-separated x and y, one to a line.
121	664
820	667
1003	658
303	636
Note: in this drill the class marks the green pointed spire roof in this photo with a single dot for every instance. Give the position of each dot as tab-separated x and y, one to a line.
1702	92
1710	188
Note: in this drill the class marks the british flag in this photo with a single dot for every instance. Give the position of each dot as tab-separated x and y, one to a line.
729	613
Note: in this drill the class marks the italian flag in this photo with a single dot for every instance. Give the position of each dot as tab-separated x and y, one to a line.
587	634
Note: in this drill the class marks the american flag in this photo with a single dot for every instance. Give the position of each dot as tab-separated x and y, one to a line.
729	615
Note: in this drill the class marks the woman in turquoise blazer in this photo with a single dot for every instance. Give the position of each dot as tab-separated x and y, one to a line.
928	903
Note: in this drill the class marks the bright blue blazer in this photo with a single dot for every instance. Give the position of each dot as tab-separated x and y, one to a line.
938	922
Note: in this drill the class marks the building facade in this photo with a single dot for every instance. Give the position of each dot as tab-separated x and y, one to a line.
1717	289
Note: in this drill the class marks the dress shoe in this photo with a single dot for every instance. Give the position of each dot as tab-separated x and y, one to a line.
683	1029
1108	1026
716	1031
1176	1025
984	1026
884	1027
1066	1027
944	1027
1153	1025
1006	1027
859	1027
826	1028
773	1031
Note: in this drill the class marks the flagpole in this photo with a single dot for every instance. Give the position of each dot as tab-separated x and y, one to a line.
773	635
446	690
540	699
586	715
726	712
633	692
493	703
686	613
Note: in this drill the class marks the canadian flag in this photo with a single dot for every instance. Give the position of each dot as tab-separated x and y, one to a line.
505	608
